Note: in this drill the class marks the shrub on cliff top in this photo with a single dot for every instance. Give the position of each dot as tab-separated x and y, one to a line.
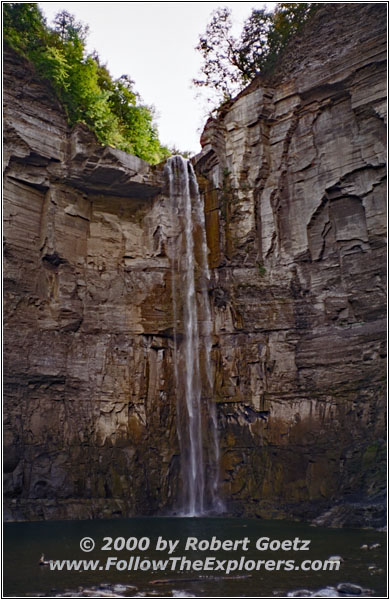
109	107
230	63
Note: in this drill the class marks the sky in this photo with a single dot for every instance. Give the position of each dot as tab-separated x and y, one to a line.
154	43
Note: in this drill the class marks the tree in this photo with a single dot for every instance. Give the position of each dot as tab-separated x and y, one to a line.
69	29
254	44
288	19
109	107
24	26
219	50
229	63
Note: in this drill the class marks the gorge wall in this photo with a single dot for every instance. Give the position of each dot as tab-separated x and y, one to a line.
293	178
89	423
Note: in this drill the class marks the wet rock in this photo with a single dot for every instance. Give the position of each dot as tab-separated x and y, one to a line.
374	546
104	590
293	174
374	570
120	588
382	529
354	514
100	593
328	592
350	588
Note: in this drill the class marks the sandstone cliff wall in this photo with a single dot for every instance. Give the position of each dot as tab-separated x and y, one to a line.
294	181
292	174
89	405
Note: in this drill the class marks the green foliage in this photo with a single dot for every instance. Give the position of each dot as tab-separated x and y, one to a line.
68	29
219	51
288	19
229	63
52	65
109	107
24	26
184	153
253	47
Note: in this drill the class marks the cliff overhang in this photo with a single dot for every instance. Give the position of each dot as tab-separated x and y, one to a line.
293	179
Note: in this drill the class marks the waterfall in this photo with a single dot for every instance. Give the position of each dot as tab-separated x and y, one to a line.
192	327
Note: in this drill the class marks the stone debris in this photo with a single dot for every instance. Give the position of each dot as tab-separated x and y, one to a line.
342	590
350	588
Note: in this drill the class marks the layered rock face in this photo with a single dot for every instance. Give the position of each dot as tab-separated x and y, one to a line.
294	181
292	174
89	401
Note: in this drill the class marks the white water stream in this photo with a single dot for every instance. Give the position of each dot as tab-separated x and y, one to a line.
196	412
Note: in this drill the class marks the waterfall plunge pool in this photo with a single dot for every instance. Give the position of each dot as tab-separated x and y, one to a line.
24	544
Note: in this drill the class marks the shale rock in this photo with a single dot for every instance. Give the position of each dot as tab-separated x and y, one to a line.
89	401
293	177
293	174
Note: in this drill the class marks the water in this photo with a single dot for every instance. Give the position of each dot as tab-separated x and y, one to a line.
24	543
192	328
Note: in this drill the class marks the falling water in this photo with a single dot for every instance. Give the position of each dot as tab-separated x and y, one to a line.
196	412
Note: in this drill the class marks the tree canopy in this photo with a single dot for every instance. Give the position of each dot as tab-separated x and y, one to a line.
230	63
109	107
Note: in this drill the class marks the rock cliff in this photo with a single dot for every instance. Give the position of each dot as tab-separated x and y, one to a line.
294	181
293	177
88	423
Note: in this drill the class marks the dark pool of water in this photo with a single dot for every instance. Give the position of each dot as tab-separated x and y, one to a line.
25	542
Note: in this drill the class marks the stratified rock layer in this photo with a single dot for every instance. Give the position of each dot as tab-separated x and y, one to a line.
89	401
293	179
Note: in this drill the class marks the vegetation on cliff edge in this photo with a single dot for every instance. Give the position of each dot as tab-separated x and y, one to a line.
231	63
109	107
